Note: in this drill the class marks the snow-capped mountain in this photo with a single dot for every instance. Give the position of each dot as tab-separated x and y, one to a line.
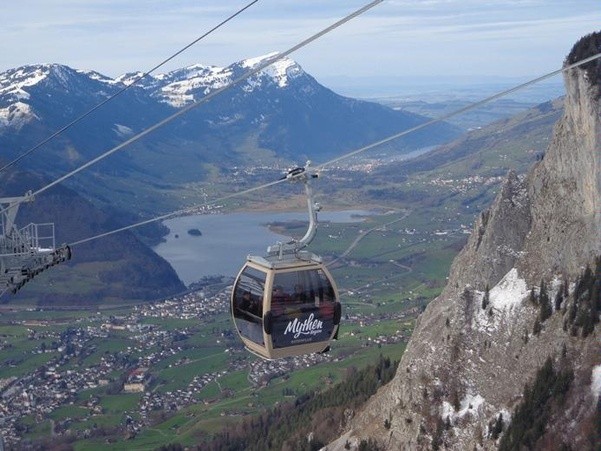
183	86
280	111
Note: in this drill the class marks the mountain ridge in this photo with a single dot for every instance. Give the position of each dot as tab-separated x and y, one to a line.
116	269
280	113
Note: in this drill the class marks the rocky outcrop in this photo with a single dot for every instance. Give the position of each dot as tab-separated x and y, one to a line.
565	188
496	243
483	339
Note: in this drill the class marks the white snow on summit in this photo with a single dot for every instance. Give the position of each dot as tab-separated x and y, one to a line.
253	62
129	78
13	82
280	71
191	83
177	88
204	79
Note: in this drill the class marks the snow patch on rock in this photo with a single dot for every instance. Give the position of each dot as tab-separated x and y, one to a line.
471	404
596	381
509	292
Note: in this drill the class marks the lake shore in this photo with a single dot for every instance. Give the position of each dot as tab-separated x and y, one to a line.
227	239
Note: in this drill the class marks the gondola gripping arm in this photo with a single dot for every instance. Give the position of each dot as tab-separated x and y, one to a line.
303	175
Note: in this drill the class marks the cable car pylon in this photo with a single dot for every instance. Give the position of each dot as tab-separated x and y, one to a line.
286	303
25	252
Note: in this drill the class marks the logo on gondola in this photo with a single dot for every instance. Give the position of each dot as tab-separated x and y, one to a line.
309	326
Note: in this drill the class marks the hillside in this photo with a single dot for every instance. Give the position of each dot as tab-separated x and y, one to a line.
507	357
513	143
450	184
115	269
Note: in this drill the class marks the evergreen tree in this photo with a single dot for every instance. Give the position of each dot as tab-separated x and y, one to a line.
544	302
558	300
533	298
531	415
486	298
583	313
497	428
369	445
287	425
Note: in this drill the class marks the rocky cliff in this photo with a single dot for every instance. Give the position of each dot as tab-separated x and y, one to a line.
509	355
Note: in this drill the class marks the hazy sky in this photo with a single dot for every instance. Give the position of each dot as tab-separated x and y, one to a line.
400	38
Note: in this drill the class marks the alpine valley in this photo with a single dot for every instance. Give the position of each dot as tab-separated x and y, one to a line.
279	117
281	114
480	269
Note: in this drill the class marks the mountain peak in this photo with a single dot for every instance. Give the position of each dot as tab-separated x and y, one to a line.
281	71
188	84
14	80
14	91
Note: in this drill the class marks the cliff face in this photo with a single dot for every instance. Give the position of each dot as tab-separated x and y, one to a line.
485	337
565	188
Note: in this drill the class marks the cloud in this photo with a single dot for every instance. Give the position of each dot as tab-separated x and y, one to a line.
417	36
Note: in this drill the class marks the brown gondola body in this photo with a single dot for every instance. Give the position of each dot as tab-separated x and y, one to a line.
286	303
283	308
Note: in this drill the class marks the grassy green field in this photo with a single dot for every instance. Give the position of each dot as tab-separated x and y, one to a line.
389	271
220	402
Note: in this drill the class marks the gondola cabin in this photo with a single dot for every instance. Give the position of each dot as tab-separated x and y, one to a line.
285	307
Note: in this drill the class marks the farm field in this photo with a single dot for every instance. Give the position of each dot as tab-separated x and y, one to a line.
194	377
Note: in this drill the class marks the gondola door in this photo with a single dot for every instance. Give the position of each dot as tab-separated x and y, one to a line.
248	305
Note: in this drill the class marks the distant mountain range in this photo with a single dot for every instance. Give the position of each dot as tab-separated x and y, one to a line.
280	113
277	115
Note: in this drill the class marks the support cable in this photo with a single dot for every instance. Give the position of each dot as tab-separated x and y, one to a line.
452	114
126	87
350	154
181	212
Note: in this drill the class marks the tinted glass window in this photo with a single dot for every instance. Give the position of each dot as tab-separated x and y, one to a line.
302	303
248	304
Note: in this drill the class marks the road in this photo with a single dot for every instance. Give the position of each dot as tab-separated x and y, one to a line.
363	234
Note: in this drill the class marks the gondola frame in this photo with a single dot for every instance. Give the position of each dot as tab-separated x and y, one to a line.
311	317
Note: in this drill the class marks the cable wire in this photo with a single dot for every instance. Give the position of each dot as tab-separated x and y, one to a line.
452	114
355	152
125	88
212	94
181	212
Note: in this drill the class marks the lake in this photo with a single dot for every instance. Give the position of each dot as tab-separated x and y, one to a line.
227	239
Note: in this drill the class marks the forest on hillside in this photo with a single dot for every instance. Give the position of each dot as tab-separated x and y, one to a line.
309	422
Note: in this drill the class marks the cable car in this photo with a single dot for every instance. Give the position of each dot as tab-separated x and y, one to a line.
286	303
